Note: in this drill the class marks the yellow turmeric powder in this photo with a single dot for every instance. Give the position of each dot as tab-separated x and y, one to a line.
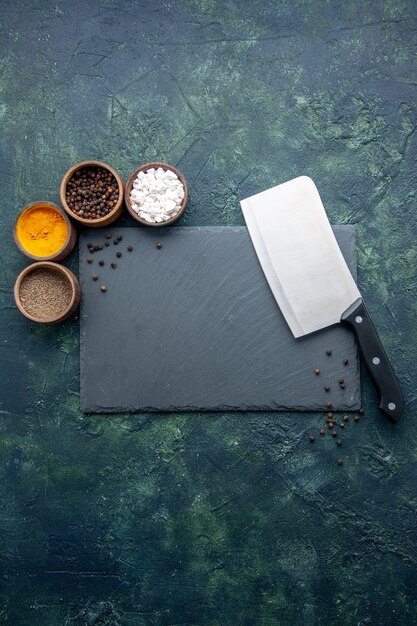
42	231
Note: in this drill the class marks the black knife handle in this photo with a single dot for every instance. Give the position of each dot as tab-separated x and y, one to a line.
376	361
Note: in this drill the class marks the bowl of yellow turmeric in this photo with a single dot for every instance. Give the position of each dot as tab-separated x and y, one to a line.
44	232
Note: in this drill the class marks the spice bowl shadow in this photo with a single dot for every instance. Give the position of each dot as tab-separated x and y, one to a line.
55	289
39	238
129	187
97	222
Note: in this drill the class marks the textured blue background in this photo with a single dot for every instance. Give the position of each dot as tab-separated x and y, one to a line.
219	519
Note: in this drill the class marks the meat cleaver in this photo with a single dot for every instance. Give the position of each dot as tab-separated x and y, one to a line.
309	277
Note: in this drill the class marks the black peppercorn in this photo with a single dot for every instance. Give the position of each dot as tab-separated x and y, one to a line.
340	461
345	361
103	288
113	264
317	371
312	438
94	276
328	352
101	262
322	432
361	411
129	248
339	442
89	260
92	192
158	245
327	388
118	254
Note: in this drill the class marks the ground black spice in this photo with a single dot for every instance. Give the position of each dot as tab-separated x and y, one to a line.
45	293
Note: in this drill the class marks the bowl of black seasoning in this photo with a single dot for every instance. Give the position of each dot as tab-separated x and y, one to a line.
92	193
47	292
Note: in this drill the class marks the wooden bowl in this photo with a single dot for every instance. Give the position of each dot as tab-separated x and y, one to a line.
69	241
100	221
63	271
129	186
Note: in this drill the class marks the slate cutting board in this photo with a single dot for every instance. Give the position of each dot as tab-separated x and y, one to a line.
193	326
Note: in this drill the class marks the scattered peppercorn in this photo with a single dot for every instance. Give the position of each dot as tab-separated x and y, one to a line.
346	418
327	388
340	461
329	405
118	254
312	438
107	243
89	259
339	442
334	433
345	361
322	432
331	425
108	235
103	288
119	237
341	381
129	248
101	262
115	241
329	415
94	276
342	386
328	352
113	264
357	418
317	371
158	245
342	425
361	411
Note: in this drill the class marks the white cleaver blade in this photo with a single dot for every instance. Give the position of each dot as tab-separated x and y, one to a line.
309	277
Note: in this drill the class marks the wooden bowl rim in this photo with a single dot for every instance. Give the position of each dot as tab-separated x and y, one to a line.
68	175
72	279
129	185
31	207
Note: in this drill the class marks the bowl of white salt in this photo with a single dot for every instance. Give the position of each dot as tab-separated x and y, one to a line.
156	194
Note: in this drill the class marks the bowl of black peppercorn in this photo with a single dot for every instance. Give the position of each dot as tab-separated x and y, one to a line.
92	193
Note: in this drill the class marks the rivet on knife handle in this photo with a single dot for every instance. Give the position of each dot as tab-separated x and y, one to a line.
376	361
